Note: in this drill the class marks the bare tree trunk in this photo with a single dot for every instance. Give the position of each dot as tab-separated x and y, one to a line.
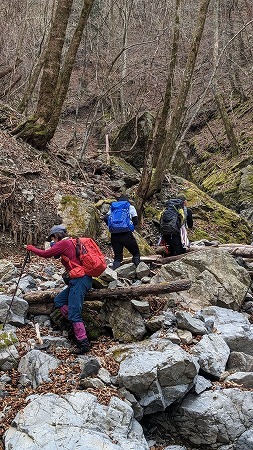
175	123
227	125
53	59
32	81
65	73
155	144
218	97
40	128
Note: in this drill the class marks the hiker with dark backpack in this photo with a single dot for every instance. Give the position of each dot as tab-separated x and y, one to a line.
121	220
82	259
175	216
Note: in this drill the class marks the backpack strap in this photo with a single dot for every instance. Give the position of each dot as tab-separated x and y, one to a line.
77	246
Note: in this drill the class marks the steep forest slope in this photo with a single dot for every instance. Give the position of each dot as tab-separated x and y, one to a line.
227	178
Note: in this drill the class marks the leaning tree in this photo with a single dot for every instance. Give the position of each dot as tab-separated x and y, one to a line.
160	152
58	62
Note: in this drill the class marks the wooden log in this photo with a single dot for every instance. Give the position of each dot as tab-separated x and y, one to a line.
246	251
102	294
41	308
158	259
147	259
236	245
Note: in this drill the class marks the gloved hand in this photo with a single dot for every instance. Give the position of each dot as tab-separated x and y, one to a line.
29	248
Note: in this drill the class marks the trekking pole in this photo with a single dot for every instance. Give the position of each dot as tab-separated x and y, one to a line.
26	260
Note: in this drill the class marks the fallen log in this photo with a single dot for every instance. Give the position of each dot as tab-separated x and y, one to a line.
103	294
160	260
41	308
148	259
245	251
236	245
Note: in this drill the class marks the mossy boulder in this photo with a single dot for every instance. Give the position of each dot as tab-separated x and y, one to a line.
129	175
124	165
134	136
80	216
91	318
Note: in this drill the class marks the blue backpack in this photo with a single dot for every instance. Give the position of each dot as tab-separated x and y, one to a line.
119	220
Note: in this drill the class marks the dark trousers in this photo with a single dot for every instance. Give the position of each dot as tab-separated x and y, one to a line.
174	243
127	240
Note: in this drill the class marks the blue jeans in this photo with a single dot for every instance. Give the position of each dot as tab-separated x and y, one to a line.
74	296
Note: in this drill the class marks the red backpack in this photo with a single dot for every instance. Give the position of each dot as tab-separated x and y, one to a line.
92	259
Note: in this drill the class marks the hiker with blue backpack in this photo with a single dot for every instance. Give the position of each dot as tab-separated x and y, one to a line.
175	220
122	219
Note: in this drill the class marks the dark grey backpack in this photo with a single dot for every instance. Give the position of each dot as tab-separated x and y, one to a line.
170	220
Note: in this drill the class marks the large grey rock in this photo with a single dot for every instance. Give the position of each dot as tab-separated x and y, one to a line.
187	322
35	367
142	270
109	275
27	283
245	441
157	372
213	353
127	271
75	421
245	379
125	321
217	417
202	384
15	311
216	279
7	270
233	326
240	362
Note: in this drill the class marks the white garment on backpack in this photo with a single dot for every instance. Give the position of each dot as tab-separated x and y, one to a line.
184	238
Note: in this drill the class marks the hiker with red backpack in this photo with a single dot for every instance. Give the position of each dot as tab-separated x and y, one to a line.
121	220
74	253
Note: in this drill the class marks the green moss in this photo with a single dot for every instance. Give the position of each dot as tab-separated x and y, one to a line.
80	216
198	235
215	179
152	213
120	354
126	167
7	339
217	173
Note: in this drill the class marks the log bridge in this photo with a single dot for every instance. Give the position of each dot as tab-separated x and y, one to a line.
41	302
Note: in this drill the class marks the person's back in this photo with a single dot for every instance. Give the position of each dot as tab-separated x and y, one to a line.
121	220
172	219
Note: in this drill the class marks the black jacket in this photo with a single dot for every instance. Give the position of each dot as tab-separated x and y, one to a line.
189	219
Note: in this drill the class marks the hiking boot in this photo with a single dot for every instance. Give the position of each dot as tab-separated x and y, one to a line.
136	260
82	347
